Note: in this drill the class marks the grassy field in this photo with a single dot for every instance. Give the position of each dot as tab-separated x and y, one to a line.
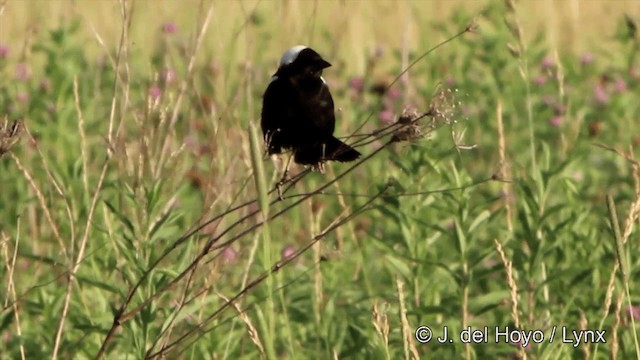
499	189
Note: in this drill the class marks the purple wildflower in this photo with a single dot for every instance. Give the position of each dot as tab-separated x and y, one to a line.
356	83
22	72
393	93
586	58
386	116
22	97
4	51
155	92
547	63
633	312
169	28
540	80
229	255
556	121
600	94
620	85
287	252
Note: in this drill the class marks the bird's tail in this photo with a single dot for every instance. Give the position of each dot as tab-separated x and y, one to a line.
339	151
333	149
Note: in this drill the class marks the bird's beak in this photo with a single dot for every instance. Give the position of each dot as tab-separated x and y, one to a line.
323	64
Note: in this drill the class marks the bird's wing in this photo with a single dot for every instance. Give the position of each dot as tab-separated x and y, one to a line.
316	106
272	108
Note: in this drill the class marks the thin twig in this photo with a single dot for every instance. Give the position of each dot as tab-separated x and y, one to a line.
11	267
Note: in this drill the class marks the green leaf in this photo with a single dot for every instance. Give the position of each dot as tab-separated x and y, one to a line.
123	218
461	239
482	217
400	266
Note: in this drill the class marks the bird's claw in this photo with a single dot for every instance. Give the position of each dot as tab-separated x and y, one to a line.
281	182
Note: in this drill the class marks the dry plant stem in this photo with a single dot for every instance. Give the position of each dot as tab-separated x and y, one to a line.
609	295
69	253
381	325
79	258
254	335
584	326
508	265
624	267
366	139
245	277
318	299
634	209
183	88
343	205
617	237
83	140
405	55
276	267
250	261
629	223
247	19
166	333
524	73
410	350
94	201
439	191
11	266
43	203
614	329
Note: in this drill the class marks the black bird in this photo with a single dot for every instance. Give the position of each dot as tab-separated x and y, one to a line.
298	113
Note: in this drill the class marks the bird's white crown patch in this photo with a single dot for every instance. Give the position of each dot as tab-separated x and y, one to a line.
291	54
